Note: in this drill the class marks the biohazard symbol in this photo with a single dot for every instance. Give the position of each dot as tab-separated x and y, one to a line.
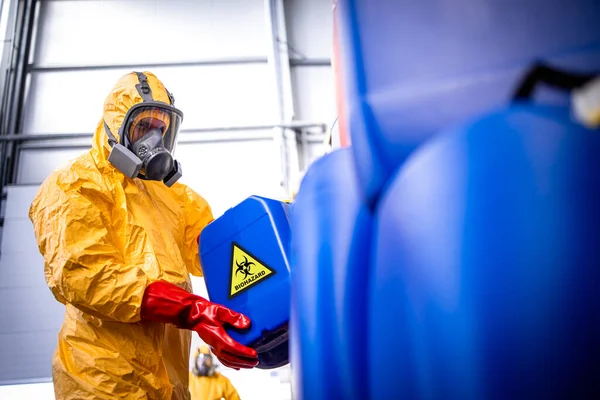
246	271
244	267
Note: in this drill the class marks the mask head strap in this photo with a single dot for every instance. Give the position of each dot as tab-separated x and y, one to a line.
112	140
143	87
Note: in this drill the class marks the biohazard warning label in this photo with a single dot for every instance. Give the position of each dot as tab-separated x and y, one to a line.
246	271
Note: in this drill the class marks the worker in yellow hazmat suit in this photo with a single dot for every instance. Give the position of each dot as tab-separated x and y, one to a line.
119	238
205	382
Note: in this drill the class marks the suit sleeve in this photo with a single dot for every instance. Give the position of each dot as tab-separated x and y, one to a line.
92	259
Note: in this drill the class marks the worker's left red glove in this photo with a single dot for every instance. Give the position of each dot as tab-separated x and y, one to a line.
168	303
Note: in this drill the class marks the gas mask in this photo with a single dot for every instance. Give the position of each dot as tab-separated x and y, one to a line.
204	365
148	137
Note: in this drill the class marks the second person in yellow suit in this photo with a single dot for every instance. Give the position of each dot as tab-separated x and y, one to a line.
119	237
205	382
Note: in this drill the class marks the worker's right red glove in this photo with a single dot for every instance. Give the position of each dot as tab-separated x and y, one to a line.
167	303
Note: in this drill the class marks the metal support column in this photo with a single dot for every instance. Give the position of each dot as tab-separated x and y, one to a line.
23	19
26	47
11	24
279	62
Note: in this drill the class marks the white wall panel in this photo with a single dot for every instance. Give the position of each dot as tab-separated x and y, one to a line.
209	96
310	27
36	164
16	275
5	36
226	173
95	32
21	238
314	96
38	391
314	100
18	202
30	317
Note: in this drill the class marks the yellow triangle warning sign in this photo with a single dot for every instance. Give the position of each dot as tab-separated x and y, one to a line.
246	271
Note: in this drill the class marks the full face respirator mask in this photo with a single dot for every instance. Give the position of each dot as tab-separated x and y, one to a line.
204	365
148	137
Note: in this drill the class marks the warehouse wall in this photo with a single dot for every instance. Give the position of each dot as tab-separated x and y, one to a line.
212	56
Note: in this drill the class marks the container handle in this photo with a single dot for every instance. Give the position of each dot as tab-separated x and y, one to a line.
551	76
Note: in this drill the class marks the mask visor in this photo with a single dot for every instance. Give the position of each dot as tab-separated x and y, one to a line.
144	117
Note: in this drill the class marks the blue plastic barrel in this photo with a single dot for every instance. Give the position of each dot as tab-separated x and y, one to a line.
487	264
413	68
330	270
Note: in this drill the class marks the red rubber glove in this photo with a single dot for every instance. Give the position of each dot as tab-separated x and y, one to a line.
167	303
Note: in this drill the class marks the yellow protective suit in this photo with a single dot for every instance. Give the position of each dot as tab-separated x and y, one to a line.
105	238
215	387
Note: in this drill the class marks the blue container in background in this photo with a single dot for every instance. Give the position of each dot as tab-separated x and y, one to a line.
244	255
486	253
330	267
414	68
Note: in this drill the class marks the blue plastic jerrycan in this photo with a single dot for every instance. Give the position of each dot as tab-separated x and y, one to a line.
245	259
